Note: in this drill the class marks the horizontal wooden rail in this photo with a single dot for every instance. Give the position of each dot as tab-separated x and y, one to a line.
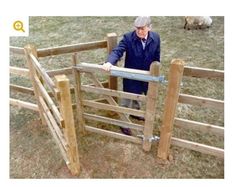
63	49
113	134
203	73
24	104
17	50
201	101
194	125
21	89
65	71
19	71
24	72
113	121
71	48
113	93
113	108
29	91
218	152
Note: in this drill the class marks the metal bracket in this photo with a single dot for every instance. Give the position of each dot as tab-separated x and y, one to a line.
136	76
153	138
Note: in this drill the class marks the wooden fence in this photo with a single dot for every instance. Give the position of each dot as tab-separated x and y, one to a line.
177	71
57	113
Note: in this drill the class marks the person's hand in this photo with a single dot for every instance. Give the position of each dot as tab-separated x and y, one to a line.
107	66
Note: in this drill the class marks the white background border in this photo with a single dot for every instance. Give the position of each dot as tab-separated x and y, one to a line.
118	8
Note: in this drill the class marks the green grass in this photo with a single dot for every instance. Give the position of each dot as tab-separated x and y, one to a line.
33	152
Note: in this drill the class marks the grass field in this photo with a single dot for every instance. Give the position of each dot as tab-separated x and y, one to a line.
33	153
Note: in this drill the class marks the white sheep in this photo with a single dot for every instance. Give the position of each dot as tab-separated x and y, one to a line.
197	22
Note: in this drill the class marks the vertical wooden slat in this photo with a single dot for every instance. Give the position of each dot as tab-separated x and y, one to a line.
35	54
150	107
30	49
174	80
111	43
78	95
63	85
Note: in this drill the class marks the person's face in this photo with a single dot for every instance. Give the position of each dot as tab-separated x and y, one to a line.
142	31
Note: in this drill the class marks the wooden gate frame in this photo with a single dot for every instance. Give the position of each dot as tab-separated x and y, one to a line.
60	121
153	79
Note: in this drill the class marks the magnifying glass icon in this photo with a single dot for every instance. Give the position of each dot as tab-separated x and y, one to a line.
18	26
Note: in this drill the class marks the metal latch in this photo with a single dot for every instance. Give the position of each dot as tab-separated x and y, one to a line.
136	76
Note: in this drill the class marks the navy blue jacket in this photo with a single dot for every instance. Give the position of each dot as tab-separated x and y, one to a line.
136	57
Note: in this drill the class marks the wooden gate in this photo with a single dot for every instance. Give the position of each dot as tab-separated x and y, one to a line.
57	115
110	97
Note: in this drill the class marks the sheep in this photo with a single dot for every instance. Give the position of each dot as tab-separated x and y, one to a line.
197	22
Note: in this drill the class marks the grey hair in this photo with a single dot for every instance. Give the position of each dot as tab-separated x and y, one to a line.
141	21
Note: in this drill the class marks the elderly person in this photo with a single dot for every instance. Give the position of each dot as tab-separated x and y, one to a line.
142	47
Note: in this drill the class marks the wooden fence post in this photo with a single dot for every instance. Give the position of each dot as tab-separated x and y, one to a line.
30	49
174	80
63	85
78	95
151	107
111	43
